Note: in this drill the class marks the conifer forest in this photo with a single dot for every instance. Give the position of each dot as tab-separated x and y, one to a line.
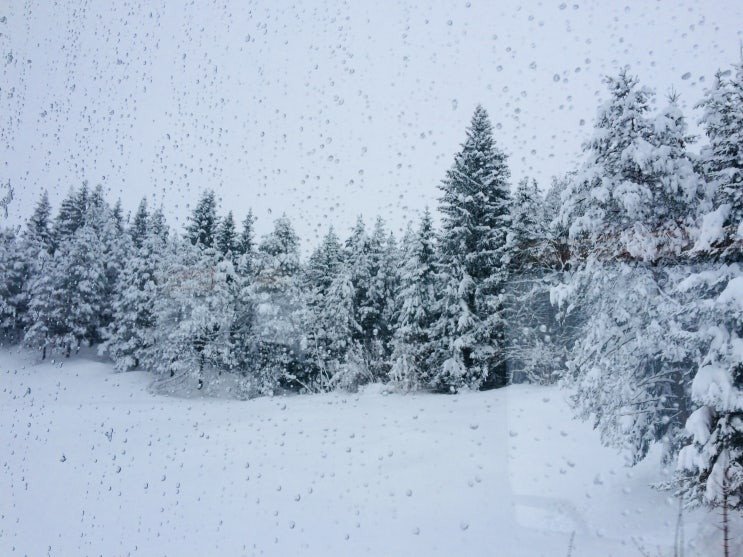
616	285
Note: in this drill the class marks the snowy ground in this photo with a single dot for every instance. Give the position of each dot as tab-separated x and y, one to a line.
92	463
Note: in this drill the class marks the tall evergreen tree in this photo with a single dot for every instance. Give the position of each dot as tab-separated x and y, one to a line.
416	305
192	342
66	300
246	242
227	241
202	223
629	208
711	465
531	320
468	335
322	269
722	160
13	274
246	249
277	295
36	247
138	229
130	333
342	363
71	215
38	228
376	311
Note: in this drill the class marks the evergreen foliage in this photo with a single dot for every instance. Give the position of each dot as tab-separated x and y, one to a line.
625	280
227	241
629	207
469	333
278	302
416	305
710	466
202	223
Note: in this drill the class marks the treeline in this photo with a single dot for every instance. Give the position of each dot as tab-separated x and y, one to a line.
624	281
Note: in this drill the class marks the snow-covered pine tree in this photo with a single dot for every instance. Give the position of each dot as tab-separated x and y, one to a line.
416	305
114	245
227	240
138	230
371	263
13	276
38	232
722	161
277	294
530	317
568	321
324	264
322	268
117	217
203	221
345	364
69	295
36	248
246	242
376	312
66	299
469	333
158	226
711	465
627	211
135	296
333	354
192	342
71	215
246	254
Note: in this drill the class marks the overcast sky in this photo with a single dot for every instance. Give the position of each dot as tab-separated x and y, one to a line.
323	110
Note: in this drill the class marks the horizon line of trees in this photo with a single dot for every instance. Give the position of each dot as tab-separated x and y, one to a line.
624	281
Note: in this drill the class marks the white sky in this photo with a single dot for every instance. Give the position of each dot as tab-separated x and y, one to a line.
323	110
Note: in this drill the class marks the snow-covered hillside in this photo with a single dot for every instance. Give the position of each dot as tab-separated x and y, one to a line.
94	464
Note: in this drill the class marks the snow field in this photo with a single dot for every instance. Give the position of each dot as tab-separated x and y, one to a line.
94	464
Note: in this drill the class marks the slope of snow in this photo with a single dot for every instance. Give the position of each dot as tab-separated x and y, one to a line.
92	463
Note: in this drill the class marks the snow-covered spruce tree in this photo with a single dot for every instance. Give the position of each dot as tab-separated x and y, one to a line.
38	232
321	346
135	296
71	215
722	160
69	297
416	304
628	210
276	292
192	342
13	299
226	240
711	466
371	265
66	299
35	250
568	320
468	336
203	221
346	363
138	230
376	313
531	319
246	248
114	245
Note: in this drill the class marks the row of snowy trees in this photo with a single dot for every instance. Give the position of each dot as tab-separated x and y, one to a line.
624	281
435	310
654	284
